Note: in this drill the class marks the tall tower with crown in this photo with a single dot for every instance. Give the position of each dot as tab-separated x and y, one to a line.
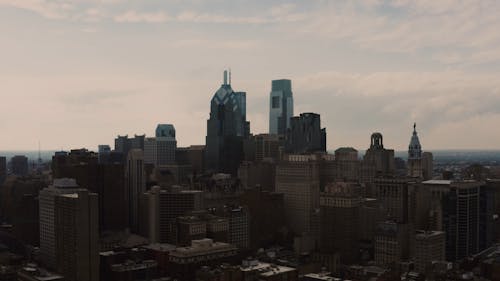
415	169
227	127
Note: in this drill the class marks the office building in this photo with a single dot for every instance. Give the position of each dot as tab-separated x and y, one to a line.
463	210
48	247
3	169
305	134
377	161
298	178
397	197
268	147
123	144
76	232
280	106
150	151
104	153
393	243
347	164
267	216
19	207
260	175
339	218
166	144
427	165
162	207
429	247
19	165
227	127
239	226
135	185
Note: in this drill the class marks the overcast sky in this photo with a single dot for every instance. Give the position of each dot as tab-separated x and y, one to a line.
76	73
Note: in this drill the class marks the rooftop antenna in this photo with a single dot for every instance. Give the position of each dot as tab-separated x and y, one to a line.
225	77
229	76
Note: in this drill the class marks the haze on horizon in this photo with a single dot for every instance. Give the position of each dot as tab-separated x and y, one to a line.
77	73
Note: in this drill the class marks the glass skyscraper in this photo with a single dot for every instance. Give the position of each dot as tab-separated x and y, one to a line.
226	129
280	106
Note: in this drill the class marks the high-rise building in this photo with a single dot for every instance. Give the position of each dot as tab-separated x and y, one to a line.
48	252
280	106
298	178
415	156
226	129
135	185
239	226
429	247
427	165
378	161
104	153
166	144
463	210
3	169
76	233
19	164
397	197
268	146
305	134
150	151
347	164
162	207
124	144
339	212
393	243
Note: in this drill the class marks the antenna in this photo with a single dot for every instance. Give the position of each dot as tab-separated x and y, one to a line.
225	77
229	76
40	162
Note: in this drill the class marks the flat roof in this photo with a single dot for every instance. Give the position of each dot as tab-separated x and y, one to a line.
442	182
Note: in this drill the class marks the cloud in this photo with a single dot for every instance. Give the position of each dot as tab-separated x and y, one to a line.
47	9
146	17
353	104
410	26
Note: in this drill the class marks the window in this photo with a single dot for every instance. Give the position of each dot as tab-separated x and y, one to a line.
275	102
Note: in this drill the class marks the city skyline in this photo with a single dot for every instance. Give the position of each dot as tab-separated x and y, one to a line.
77	74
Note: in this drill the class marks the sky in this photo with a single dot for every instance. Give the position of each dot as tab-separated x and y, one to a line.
77	73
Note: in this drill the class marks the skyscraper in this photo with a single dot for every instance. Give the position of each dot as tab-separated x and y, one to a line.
280	106
298	178
165	144
135	183
305	134
226	129
76	232
19	164
163	206
104	152
47	218
377	161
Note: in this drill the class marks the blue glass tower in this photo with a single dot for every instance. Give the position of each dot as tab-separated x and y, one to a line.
226	129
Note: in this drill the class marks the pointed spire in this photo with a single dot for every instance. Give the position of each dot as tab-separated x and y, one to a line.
225	77
414	127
